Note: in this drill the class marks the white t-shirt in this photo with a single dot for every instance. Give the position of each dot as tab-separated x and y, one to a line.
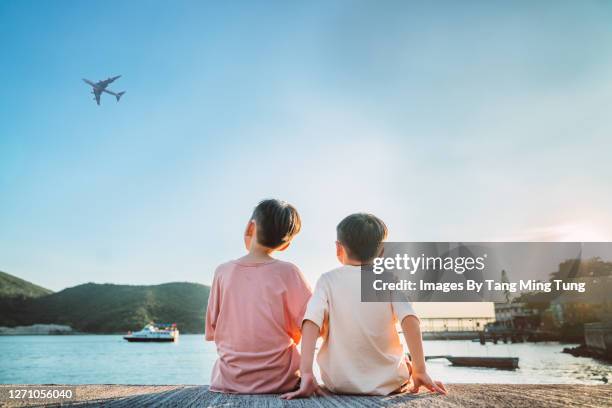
361	351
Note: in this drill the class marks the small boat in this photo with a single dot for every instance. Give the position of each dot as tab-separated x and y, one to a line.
504	363
160	333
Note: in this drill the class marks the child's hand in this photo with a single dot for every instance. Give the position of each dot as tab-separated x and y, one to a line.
422	379
308	387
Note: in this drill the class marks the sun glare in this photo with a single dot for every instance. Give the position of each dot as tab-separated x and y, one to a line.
582	232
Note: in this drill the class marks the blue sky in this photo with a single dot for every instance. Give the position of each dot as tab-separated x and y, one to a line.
472	121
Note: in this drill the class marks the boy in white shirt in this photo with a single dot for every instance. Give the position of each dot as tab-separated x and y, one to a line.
361	351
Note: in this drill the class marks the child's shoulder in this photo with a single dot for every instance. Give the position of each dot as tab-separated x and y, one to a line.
335	276
336	271
225	266
293	277
285	266
276	264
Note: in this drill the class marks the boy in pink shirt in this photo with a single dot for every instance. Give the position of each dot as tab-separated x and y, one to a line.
256	306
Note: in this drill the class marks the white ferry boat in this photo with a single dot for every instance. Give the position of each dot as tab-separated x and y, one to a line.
154	333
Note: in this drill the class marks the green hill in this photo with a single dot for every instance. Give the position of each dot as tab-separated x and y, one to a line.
13	287
15	293
107	308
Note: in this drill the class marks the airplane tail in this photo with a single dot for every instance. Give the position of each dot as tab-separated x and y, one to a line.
118	95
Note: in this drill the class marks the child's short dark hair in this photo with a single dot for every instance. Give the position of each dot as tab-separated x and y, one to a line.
277	222
362	235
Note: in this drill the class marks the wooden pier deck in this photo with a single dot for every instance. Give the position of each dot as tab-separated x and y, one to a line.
460	395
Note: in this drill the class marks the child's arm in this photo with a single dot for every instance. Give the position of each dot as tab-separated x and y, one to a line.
212	310
308	384
420	378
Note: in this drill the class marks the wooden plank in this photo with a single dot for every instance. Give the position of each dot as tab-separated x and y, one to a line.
476	395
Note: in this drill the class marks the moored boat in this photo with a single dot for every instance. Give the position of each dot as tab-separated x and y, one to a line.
504	363
507	363
159	333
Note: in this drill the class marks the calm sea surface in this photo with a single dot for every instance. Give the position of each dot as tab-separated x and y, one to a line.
109	359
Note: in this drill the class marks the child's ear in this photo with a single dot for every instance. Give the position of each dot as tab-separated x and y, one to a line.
248	234
283	247
339	251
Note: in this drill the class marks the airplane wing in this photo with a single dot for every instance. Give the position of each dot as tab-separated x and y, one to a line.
97	93
104	83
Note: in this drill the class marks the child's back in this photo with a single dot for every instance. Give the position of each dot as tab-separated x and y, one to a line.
254	316
361	352
256	306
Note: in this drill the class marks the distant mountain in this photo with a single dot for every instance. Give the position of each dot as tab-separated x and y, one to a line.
15	293
13	287
108	308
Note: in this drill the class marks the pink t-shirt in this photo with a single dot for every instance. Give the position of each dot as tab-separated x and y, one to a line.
254	316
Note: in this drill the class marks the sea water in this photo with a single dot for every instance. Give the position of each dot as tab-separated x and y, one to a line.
108	359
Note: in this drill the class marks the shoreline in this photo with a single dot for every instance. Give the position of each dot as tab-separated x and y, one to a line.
76	333
499	395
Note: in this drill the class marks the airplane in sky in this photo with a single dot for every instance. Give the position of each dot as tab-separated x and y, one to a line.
100	86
